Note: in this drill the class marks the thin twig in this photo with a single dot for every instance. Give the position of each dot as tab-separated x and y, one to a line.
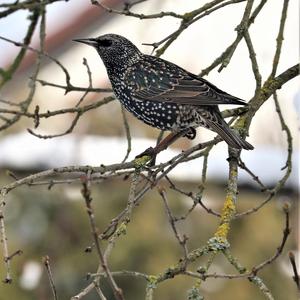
126	12
182	239
127	132
243	166
46	261
295	271
279	38
3	240
86	193
279	250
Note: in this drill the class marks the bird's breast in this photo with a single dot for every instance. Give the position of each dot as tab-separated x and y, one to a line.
154	113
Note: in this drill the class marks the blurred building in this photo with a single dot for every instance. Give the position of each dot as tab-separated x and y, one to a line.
194	50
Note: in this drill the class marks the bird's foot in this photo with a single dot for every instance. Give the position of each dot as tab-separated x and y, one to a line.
151	153
148	152
190	133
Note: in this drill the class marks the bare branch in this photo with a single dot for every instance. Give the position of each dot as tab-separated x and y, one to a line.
295	271
86	193
46	261
3	240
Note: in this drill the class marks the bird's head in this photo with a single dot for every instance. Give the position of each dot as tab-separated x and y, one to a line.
113	49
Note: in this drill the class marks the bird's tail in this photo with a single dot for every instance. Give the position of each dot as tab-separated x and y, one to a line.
229	136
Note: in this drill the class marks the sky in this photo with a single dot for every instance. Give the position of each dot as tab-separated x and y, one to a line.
14	26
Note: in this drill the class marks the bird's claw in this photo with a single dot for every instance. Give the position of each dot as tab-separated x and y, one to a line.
148	152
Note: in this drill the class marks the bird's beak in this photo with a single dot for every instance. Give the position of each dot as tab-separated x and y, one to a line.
91	42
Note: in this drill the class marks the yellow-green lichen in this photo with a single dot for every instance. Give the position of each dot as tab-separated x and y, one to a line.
228	212
188	16
122	229
222	230
141	161
152	279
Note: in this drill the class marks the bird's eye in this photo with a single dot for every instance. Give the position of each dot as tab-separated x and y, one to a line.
105	43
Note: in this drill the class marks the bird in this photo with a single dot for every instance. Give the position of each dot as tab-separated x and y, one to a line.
161	93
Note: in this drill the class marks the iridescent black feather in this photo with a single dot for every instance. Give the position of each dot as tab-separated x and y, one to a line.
162	94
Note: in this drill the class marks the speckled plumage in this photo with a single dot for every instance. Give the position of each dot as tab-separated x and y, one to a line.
162	94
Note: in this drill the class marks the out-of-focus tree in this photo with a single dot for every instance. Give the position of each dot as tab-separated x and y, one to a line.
144	177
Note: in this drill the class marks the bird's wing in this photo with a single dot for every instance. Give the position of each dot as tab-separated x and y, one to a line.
155	79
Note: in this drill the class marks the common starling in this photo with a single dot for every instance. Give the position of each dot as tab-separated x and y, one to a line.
162	94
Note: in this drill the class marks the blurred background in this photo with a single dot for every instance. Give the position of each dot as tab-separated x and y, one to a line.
54	223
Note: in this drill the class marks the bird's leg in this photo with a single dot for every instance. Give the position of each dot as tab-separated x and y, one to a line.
164	144
168	140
